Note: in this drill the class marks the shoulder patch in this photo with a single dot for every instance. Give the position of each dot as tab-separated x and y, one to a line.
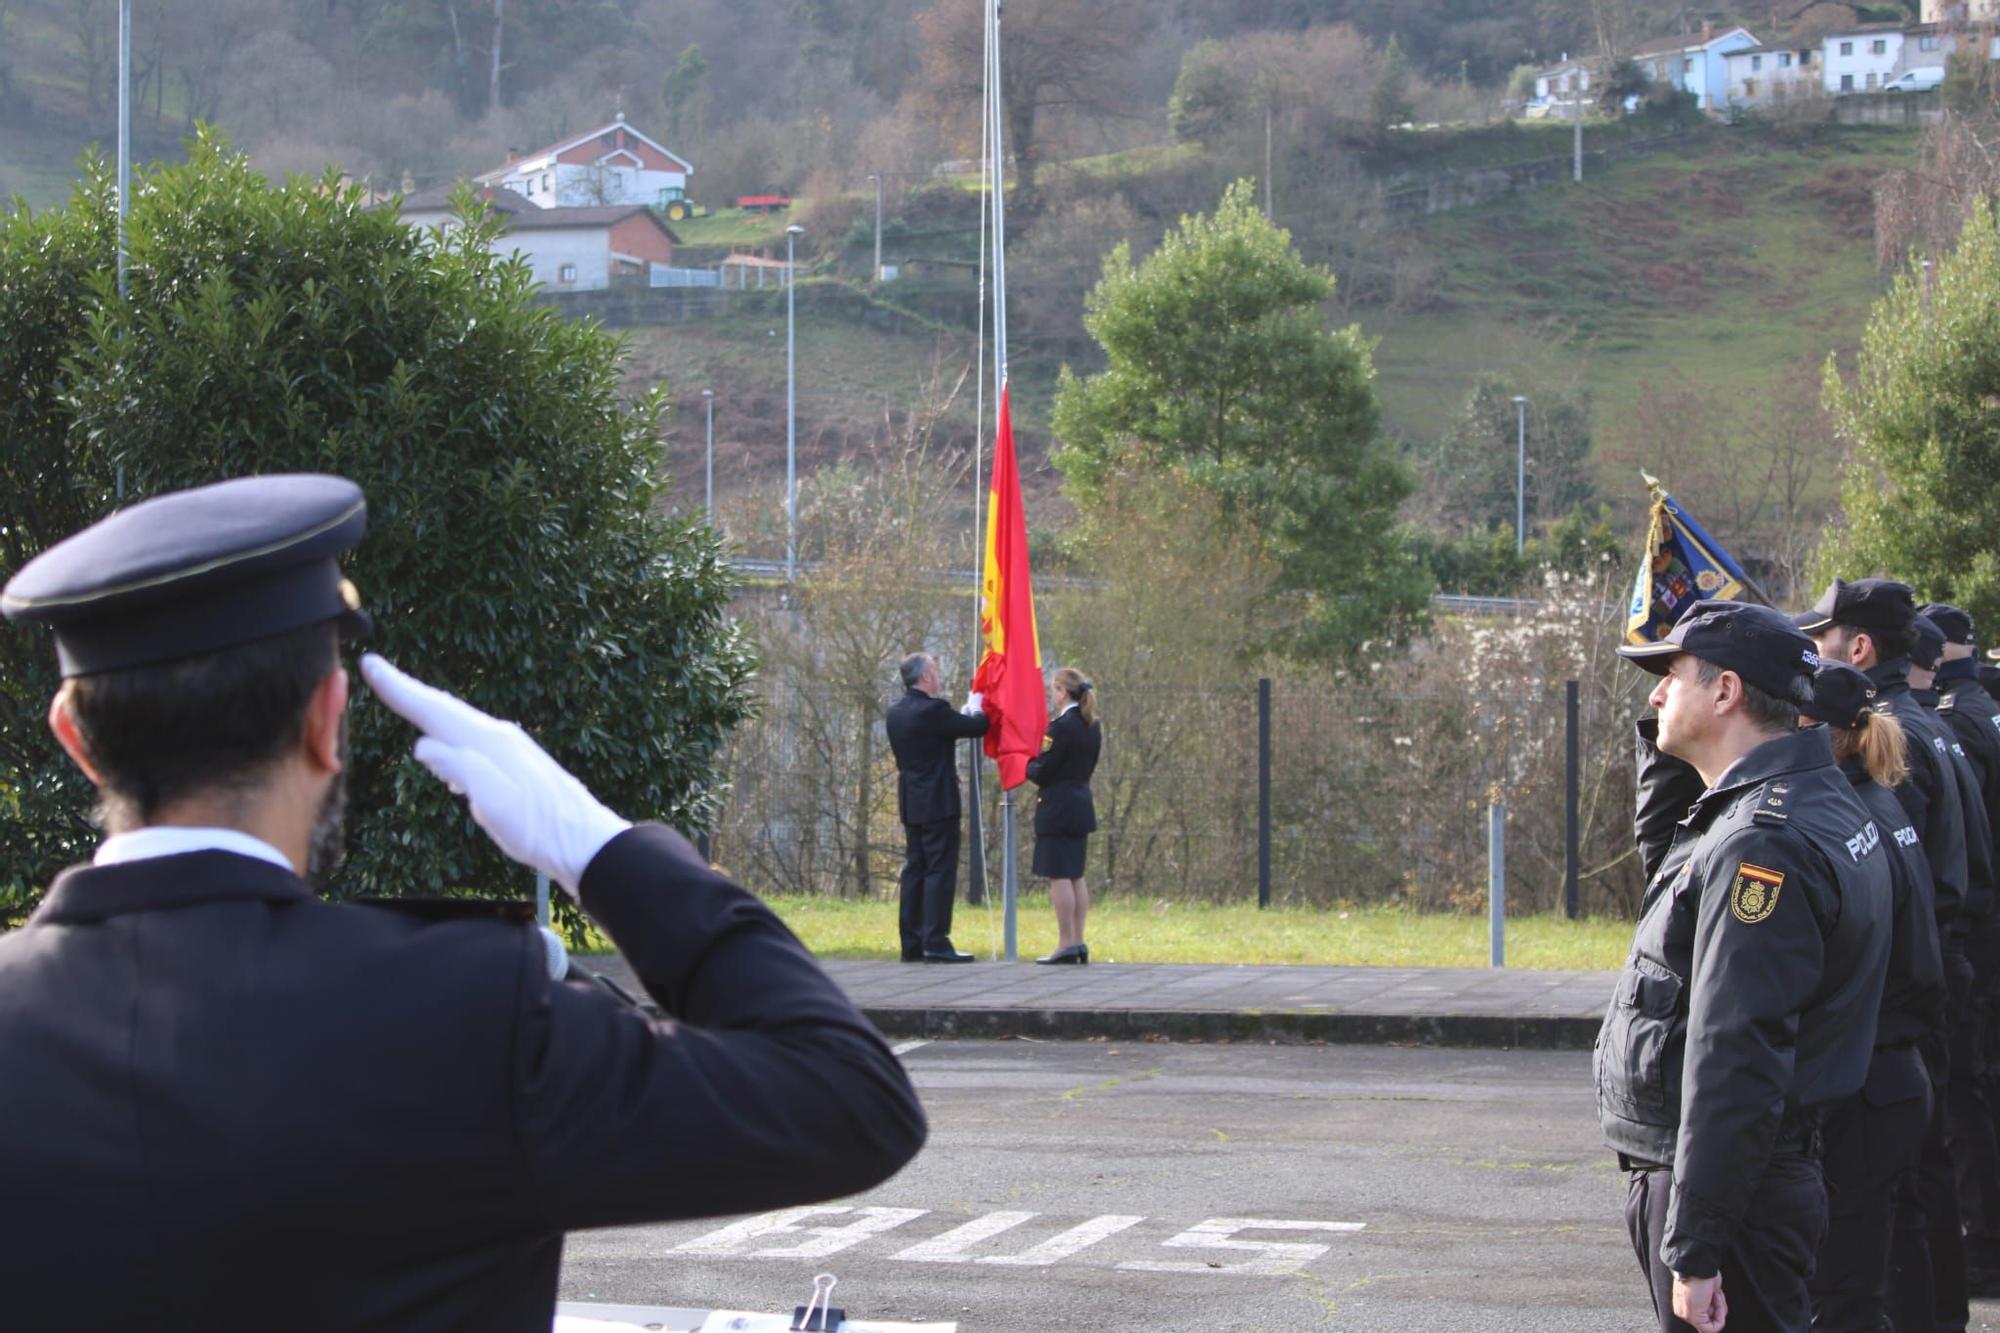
1047	742
1772	805
1754	895
1946	702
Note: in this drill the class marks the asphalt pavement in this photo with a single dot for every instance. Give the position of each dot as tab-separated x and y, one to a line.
1154	1185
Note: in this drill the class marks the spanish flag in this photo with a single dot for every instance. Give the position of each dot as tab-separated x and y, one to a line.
1010	673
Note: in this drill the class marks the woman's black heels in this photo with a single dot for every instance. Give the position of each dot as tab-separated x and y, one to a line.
1076	953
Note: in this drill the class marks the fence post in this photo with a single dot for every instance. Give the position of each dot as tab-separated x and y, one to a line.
1496	878
1573	781
1263	791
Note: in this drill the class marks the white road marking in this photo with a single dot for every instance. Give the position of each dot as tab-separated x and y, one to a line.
728	1243
1060	1247
1278	1257
905	1047
951	1247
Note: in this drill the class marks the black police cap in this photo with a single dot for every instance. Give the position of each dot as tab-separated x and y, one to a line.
1866	604
1927	648
1956	622
1758	644
1841	696
196	571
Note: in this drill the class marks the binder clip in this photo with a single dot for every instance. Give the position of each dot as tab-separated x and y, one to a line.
819	1315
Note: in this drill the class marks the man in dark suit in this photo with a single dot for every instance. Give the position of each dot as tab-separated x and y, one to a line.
924	732
231	1105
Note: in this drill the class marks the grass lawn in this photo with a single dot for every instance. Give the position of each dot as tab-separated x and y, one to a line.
1126	931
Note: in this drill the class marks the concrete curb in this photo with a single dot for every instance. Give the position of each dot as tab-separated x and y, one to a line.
1548	1033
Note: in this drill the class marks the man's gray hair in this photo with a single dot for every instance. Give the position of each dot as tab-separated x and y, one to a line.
912	669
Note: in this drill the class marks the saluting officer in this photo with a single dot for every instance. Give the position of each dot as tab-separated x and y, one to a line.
1750	997
1874	1139
1872	624
232	1105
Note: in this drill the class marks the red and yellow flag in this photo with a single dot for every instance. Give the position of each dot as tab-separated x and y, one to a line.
1010	674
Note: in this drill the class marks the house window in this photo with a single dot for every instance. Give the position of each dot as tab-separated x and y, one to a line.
1575	81
1927	43
545	182
1756	62
567	273
1847	48
1785	60
1749	87
1847	83
1879	47
1871	79
531	187
1805	58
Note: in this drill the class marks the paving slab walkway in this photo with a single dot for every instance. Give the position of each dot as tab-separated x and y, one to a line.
1446	1006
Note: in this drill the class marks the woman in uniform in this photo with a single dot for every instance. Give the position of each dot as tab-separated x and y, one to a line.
1065	817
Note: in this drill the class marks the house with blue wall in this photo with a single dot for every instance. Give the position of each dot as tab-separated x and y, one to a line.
1697	65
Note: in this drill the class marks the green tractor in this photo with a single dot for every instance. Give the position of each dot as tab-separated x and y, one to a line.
678	207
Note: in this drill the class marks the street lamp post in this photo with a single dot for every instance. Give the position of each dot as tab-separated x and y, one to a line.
1520	474
875	276
792	234
708	485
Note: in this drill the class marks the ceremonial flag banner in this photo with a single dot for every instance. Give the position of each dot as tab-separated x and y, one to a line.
1681	565
1010	674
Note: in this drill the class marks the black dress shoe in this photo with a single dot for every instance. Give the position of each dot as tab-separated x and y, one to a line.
1072	954
1082	953
948	956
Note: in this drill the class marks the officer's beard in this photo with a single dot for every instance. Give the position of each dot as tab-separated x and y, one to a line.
329	836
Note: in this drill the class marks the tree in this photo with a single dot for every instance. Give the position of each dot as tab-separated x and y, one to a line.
1624	82
1390	102
1056	56
1220	371
519	551
685	94
1473	469
1920	411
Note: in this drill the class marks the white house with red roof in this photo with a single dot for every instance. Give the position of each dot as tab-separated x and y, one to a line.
567	249
612	164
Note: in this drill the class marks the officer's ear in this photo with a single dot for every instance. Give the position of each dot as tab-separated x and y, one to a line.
325	707
1728	692
63	723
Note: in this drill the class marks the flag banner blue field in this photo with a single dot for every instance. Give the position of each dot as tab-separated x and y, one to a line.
1681	565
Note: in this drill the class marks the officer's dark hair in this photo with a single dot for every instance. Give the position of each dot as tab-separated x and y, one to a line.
161	733
912	669
1767	710
1890	644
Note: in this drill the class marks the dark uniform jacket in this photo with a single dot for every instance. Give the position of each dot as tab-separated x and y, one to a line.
1931	795
924	732
1913	997
1973	719
1063	806
229	1105
1752	989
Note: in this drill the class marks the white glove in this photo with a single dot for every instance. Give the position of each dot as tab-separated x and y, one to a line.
974	705
528	804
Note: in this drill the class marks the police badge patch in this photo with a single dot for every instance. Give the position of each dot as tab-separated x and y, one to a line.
1048	742
1754	896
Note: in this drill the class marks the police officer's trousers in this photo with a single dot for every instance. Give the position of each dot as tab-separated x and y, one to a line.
1766	1269
1872	1144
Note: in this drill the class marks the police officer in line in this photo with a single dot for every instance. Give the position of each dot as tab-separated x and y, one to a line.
924	732
1871	624
231	1105
1873	1139
1748	1004
1974	720
1926	652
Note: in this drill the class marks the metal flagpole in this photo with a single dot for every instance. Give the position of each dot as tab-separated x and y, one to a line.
975	894
124	135
1009	887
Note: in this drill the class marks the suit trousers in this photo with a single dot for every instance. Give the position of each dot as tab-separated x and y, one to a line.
930	882
1765	1269
1871	1151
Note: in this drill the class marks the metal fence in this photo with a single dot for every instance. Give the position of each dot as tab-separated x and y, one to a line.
1375	795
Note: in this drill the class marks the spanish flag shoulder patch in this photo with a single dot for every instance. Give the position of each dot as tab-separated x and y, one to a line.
1754	895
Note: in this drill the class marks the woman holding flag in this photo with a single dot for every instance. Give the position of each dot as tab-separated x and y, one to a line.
1065	815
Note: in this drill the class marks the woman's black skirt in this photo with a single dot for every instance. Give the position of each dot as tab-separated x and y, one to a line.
1060	858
